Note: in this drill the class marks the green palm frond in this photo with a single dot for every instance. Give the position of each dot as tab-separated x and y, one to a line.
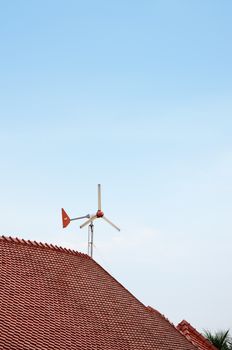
220	339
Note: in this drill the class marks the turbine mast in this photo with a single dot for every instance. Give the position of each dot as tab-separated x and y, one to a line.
90	239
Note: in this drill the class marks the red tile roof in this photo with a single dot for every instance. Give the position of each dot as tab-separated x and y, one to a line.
194	336
55	298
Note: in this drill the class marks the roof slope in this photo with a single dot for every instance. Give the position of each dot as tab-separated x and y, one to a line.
194	336
53	298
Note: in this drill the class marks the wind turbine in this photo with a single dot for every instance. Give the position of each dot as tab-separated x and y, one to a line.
98	215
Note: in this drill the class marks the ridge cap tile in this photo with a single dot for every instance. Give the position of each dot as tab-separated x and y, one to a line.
191	333
28	242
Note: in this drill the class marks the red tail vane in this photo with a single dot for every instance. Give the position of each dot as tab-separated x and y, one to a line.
65	218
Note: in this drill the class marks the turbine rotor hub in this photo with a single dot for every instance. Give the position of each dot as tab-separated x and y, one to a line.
99	214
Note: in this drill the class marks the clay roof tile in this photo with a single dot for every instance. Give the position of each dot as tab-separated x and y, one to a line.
57	298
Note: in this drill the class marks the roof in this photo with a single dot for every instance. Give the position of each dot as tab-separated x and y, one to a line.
55	298
194	336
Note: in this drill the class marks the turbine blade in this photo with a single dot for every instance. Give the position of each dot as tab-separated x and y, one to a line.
109	222
99	197
88	221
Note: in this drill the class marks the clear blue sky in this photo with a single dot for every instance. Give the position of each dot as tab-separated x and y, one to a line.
135	95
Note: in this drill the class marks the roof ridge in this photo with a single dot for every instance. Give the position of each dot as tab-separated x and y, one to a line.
152	310
42	245
184	323
148	309
126	289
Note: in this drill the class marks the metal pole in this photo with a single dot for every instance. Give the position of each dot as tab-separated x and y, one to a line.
90	240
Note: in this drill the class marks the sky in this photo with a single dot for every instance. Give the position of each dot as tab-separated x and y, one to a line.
135	95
